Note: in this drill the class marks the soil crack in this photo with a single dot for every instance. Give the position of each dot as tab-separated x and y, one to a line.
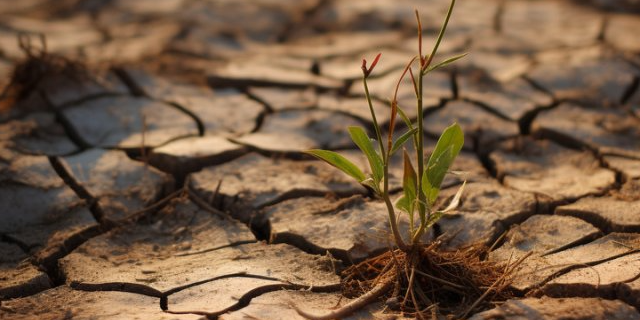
67	126
118	286
12	240
138	91
234	244
572	267
246	298
68	178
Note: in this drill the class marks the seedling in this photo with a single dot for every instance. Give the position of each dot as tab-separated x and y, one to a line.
413	263
421	187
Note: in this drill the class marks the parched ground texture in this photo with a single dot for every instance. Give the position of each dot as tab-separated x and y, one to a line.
164	178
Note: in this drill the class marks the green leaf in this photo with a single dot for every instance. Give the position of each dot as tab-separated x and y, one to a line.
338	161
401	141
445	152
403	204
409	182
404	117
365	144
371	184
445	62
435	216
455	202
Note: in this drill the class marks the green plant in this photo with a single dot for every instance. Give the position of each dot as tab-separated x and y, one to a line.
416	277
422	186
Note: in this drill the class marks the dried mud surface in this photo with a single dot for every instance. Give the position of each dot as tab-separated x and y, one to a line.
151	161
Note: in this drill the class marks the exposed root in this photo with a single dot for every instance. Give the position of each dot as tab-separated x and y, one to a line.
426	281
353	306
498	282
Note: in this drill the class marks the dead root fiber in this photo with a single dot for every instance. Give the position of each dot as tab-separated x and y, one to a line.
37	64
425	283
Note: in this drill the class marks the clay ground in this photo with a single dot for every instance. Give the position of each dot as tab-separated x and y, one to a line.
164	179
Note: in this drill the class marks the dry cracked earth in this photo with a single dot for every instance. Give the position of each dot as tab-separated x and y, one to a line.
163	178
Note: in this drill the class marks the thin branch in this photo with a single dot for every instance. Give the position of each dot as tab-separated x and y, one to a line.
134	215
204	205
440	280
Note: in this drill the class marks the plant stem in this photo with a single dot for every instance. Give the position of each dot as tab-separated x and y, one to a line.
419	137
385	156
392	215
394	225
419	153
422	209
373	117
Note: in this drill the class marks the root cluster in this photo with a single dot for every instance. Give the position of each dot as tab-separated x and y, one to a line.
427	281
